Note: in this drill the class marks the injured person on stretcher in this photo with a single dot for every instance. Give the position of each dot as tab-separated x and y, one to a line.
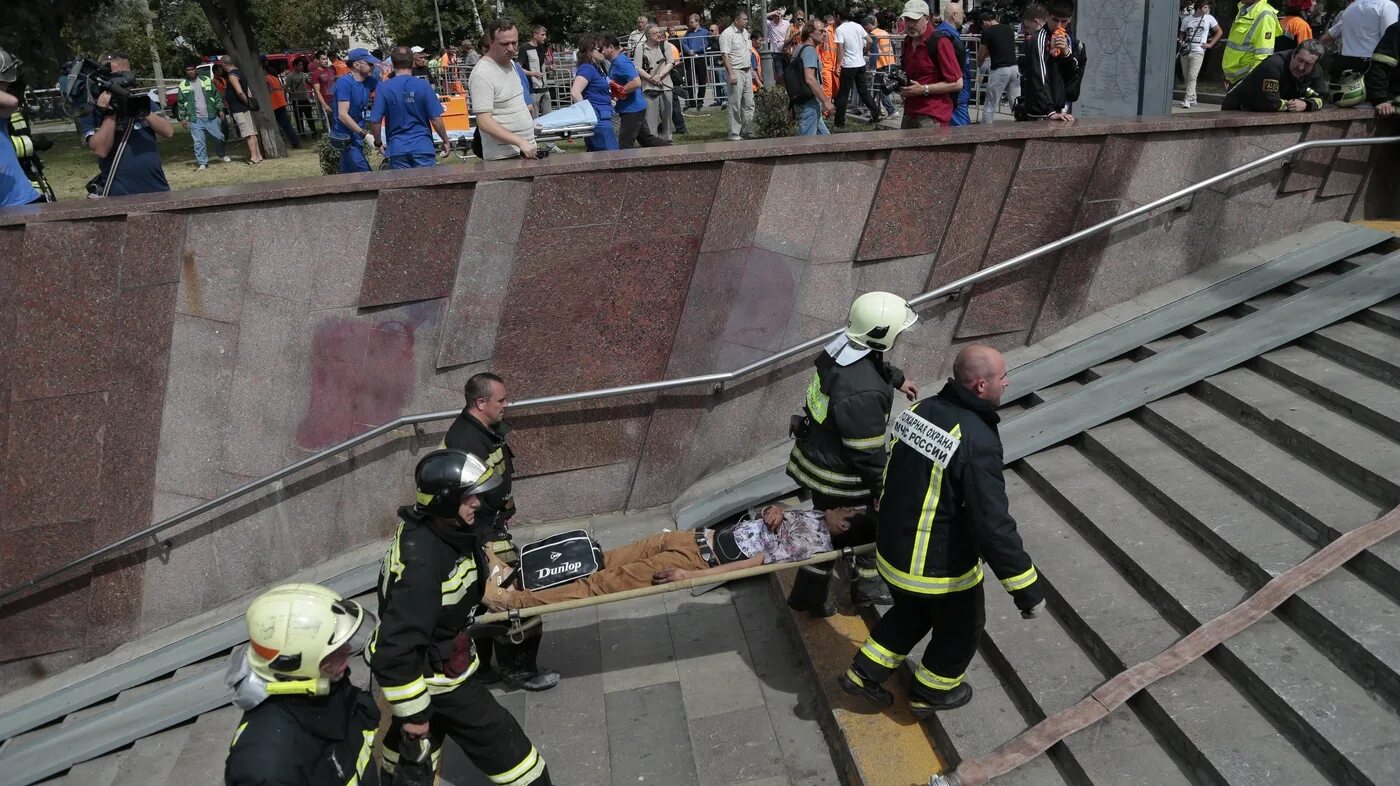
777	534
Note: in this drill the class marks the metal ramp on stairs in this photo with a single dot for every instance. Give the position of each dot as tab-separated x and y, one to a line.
1160	469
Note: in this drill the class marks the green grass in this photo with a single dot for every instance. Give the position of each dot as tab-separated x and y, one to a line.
69	165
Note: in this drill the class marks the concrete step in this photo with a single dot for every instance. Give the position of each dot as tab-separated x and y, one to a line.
991	719
1364	459
1314	506
1214	733
1364	399
98	772
1384	316
1343	731
151	759
1360	346
206	748
1356	626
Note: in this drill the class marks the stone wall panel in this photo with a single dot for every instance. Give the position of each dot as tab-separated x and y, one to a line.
914	202
416	244
979	203
733	219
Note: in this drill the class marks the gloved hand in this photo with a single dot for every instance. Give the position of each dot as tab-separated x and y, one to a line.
1029	600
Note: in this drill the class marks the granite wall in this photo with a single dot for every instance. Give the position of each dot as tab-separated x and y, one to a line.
158	351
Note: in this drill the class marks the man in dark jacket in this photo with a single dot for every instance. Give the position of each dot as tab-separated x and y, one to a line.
1043	75
304	722
1383	76
481	431
839	455
1061	18
1288	81
944	510
430	585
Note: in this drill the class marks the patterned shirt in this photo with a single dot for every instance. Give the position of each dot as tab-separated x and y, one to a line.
802	535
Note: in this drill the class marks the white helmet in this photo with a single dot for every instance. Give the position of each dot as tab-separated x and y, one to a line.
877	319
292	628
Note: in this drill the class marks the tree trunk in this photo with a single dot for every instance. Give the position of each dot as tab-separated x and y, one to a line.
233	24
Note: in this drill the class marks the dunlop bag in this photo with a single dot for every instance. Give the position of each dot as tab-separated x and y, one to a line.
558	559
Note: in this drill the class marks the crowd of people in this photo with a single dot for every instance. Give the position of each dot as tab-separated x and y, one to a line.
920	65
931	498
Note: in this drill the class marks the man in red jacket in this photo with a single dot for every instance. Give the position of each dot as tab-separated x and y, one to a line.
935	75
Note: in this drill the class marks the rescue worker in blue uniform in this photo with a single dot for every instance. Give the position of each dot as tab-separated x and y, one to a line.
303	721
943	510
839	455
430	585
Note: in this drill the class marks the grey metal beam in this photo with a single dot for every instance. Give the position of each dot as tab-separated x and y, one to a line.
1170	371
1101	347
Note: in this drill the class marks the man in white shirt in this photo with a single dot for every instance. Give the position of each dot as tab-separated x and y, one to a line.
851	40
498	99
735	54
1199	32
638	34
1360	28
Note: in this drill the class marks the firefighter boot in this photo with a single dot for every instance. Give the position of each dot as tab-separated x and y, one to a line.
924	703
867	588
519	667
809	591
857	684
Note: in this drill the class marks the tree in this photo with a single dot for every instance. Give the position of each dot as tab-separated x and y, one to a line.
232	22
568	20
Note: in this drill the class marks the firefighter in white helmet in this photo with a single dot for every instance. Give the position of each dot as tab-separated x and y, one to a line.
839	456
303	721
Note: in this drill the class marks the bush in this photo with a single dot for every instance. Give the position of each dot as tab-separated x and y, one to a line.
330	157
771	116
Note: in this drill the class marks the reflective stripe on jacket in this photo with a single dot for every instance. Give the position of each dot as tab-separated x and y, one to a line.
1252	37
843	453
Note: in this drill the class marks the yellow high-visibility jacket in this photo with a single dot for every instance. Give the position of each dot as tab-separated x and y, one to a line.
1252	37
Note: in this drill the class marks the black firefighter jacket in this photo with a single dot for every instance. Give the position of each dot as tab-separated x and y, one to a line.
306	741
1270	86
945	502
429	588
1383	75
469	434
843	452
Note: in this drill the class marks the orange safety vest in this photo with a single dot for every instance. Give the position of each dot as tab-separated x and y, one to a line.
830	68
884	49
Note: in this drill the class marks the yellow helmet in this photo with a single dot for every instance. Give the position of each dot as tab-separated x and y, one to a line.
291	630
877	319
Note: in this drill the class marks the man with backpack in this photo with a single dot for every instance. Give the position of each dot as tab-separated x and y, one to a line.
933	67
804	83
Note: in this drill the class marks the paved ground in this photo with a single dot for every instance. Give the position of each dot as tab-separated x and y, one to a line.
672	690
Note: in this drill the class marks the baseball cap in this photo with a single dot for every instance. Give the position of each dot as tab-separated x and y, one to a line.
417	50
915	9
363	54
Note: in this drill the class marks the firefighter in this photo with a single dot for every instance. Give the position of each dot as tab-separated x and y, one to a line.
1383	76
303	721
839	455
481	431
430	584
944	506
16	126
1252	37
1289	81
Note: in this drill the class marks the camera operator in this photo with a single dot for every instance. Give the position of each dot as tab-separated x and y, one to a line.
139	170
15	185
934	71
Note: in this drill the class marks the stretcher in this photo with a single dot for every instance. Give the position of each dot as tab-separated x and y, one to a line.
562	125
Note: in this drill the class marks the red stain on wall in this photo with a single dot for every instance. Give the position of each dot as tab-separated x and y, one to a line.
362	375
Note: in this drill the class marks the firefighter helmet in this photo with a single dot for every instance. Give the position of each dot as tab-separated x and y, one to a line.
291	630
443	477
1353	89
877	319
9	67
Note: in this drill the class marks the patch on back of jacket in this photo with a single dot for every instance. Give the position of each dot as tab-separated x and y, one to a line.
817	401
932	442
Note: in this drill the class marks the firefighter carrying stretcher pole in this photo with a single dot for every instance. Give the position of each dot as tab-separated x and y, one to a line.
839	456
943	511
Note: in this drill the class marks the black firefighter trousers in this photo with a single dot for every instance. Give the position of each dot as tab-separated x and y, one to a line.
485	731
809	586
956	620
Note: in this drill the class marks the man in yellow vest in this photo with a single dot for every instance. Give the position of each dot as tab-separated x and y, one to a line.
1252	37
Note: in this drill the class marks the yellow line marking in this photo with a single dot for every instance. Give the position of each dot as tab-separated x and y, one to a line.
882	748
1392	227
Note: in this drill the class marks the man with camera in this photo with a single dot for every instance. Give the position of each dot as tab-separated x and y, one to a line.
932	68
124	138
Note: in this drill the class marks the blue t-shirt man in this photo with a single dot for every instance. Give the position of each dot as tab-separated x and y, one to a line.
623	71
356	94
960	113
407	105
15	188
140	171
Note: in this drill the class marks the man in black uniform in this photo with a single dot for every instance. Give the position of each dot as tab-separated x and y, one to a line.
430	585
944	506
1383	75
1289	81
839	456
481	431
303	721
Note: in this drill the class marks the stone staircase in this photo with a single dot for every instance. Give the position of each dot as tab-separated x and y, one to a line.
1149	525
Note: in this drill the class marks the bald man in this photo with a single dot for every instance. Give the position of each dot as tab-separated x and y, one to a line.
943	508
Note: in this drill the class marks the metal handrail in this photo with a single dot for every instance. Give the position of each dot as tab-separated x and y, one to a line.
716	379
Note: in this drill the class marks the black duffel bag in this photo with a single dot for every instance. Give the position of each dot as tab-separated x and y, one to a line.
559	559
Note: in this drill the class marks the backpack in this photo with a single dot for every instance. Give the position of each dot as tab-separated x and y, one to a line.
795	78
558	559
